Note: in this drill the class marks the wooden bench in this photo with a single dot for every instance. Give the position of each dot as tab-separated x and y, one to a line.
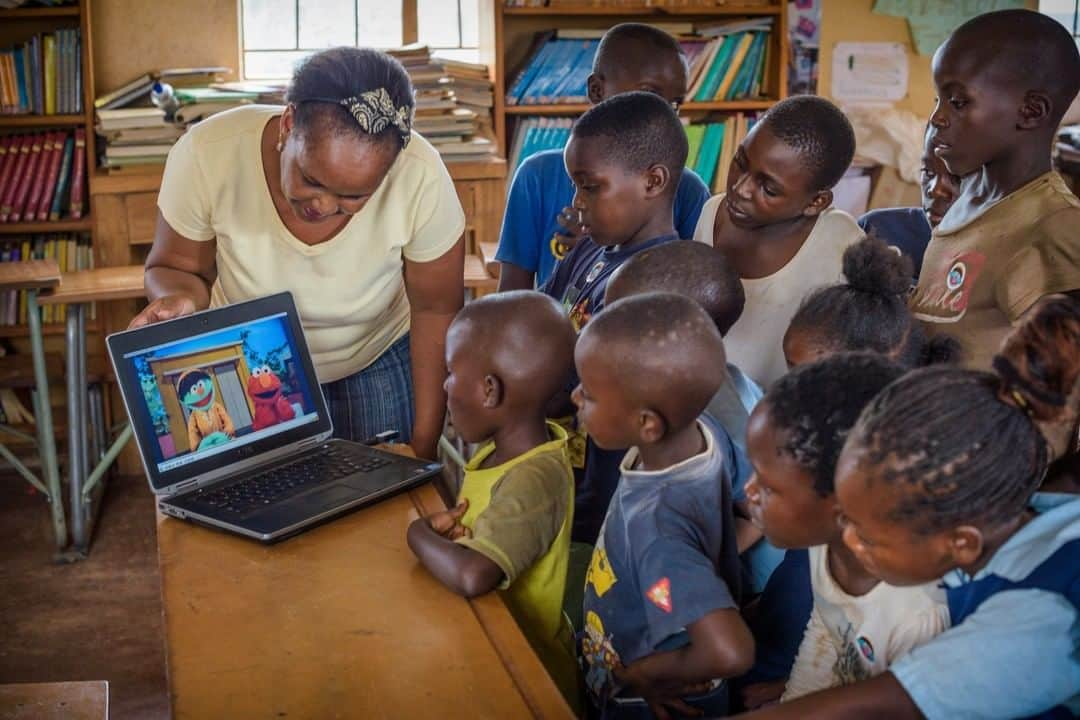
477	278
55	701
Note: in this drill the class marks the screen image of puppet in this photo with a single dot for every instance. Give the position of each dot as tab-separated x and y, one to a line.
205	393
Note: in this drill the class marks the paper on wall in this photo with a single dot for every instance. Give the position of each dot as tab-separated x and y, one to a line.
931	21
869	72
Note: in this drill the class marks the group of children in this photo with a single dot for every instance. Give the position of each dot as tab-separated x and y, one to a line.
889	530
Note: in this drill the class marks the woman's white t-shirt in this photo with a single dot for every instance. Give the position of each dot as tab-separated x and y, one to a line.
755	343
349	290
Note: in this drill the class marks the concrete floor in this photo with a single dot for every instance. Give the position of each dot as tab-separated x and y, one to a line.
99	619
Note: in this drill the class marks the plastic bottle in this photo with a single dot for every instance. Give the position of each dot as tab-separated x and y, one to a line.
162	96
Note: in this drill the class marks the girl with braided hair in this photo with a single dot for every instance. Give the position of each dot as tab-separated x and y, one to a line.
334	198
939	479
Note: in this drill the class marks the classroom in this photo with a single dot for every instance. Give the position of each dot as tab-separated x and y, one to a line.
597	359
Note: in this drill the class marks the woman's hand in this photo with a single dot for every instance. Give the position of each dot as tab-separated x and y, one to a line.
164	308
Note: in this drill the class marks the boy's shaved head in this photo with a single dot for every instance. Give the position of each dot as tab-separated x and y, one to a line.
1026	49
664	352
695	270
523	337
638	130
634	56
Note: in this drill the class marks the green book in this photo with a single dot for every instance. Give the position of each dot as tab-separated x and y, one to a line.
694	136
743	80
715	75
187	96
710	152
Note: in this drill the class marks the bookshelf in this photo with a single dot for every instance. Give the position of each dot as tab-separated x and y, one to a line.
506	36
16	26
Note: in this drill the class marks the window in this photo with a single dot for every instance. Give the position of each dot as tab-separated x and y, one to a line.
275	34
1066	12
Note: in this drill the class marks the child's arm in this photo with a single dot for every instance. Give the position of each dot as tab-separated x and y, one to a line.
747	534
881	697
721	646
464	571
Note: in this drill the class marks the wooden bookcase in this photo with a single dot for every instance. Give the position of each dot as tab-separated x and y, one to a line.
506	35
16	26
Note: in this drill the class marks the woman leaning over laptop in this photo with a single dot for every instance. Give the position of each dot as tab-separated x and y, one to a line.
336	199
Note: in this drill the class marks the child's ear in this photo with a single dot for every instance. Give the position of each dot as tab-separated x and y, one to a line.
652	426
595	85
657	178
288	117
821	202
1034	111
493	391
965	545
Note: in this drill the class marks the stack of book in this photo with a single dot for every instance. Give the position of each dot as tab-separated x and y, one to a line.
135	136
453	103
713	145
133	132
43	176
535	134
557	70
731	63
42	76
71	252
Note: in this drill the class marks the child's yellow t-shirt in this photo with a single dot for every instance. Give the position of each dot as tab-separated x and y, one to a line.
349	290
520	514
980	276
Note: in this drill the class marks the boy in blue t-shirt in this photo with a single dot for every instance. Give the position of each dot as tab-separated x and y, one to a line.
631	56
661	607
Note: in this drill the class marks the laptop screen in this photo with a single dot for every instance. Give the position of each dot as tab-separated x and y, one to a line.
205	394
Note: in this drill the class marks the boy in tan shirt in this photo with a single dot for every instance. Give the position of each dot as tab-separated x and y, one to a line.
1003	81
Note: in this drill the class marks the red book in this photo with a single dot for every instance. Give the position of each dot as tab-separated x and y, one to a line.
78	174
52	172
37	180
29	178
16	177
9	148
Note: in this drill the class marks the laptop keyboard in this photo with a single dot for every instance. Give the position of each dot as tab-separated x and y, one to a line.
276	484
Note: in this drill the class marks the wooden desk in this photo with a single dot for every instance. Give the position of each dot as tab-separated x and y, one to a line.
340	622
55	701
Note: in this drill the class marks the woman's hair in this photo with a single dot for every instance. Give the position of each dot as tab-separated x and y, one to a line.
815	405
1039	364
869	311
324	83
960	453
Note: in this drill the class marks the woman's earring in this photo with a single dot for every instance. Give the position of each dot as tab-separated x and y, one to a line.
280	145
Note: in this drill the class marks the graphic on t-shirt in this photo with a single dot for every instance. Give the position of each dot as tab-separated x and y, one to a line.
944	296
223	389
580	315
600	574
660	594
866	648
599	655
850	666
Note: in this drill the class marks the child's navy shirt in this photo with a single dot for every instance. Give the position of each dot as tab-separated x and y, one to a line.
666	557
905	228
539	192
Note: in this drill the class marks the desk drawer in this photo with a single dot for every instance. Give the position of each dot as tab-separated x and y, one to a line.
141	211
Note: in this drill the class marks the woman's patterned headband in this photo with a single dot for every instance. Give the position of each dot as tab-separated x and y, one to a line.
375	111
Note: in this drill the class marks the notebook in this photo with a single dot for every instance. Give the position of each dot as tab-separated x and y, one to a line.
233	428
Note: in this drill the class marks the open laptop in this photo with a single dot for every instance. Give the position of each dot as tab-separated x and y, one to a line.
233	428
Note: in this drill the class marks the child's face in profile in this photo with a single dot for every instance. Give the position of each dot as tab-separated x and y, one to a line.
887	548
768	182
466	392
611	199
780	495
975	115
940	187
603	410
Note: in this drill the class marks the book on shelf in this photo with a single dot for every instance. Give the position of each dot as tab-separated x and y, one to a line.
535	134
139	87
36	171
43	75
71	251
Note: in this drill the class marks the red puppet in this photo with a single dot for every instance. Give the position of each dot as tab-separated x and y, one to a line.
271	407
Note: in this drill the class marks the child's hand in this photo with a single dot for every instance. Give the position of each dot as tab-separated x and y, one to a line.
570	221
164	308
763	693
662	698
448	522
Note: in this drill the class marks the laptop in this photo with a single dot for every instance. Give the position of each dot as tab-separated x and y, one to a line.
233	428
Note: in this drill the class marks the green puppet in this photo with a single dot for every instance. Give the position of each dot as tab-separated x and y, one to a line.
209	424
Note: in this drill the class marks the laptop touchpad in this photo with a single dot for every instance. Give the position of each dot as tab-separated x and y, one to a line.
327	498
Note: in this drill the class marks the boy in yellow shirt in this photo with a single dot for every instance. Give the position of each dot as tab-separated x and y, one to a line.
1004	81
507	354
